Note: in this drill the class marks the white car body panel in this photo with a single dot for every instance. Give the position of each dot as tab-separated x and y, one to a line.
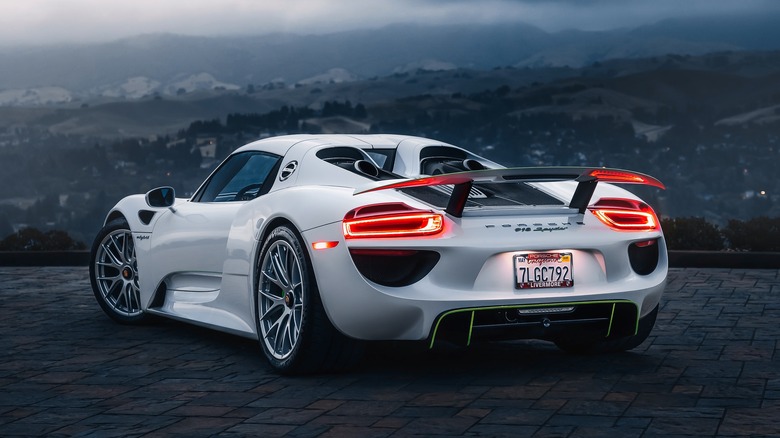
197	260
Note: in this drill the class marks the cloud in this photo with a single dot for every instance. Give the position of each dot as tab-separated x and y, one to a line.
50	21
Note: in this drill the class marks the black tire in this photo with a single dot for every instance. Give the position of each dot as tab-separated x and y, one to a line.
113	272
294	332
590	346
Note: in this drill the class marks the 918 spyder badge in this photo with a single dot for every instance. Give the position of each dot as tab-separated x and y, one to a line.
543	270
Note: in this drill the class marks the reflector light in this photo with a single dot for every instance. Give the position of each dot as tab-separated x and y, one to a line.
401	223
618	176
324	245
625	214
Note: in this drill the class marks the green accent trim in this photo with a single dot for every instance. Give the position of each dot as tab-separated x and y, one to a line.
638	316
471	328
611	317
526	306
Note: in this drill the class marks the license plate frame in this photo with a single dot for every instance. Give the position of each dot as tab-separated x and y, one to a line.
543	270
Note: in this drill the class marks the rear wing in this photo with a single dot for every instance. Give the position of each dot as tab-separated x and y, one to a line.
587	177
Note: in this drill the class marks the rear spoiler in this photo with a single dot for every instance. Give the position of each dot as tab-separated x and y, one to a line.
587	177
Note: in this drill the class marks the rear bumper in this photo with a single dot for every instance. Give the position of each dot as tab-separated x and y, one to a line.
475	279
591	319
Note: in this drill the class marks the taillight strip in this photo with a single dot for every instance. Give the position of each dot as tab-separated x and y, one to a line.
625	176
625	214
406	224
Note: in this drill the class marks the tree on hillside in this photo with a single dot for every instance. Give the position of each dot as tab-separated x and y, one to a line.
32	239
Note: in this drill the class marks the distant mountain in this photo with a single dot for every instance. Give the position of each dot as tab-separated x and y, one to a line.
134	67
35	96
731	88
332	76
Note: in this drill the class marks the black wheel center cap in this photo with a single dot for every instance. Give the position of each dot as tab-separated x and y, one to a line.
288	299
127	273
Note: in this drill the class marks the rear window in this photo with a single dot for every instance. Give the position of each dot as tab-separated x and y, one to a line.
487	195
357	161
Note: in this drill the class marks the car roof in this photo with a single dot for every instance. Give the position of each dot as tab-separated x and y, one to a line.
280	145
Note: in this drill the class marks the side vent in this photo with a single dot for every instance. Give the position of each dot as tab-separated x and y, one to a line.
145	216
393	267
288	170
643	256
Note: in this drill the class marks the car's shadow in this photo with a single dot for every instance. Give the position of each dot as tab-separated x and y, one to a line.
496	358
415	359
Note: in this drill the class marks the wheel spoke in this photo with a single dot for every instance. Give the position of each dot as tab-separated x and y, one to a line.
268	295
291	328
111	283
113	294
274	307
135	299
269	332
127	297
275	322
279	268
129	251
107	251
274	281
273	333
279	337
119	248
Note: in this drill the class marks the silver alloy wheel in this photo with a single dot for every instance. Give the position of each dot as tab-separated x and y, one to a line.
281	299
116	273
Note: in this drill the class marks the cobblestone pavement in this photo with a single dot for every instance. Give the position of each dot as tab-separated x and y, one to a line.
711	367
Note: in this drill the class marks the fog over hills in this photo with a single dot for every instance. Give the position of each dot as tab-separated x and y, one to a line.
173	64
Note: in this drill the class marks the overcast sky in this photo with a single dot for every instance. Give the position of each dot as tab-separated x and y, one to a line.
25	22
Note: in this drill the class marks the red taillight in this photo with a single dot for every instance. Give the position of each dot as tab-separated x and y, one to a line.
625	214
622	176
391	220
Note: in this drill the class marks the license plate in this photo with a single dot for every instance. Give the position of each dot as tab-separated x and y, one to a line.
543	270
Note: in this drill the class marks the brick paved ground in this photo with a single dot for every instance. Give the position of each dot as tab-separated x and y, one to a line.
711	367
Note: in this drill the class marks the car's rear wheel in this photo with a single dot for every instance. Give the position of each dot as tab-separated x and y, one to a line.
113	272
294	331
587	346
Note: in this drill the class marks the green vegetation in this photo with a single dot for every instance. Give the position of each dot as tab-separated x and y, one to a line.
693	233
757	234
32	239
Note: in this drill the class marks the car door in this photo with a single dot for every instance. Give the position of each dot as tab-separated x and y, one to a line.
192	237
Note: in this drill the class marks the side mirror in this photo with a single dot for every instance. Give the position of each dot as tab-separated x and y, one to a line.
160	197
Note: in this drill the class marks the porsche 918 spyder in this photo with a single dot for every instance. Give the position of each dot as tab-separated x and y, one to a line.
313	244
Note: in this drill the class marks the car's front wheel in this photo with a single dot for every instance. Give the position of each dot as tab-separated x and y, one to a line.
113	272
294	331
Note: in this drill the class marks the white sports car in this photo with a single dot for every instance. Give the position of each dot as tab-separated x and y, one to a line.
314	243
